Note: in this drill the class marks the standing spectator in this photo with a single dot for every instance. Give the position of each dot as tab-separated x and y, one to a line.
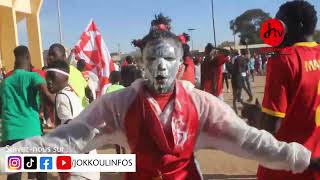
129	60
76	80
20	104
260	63
67	106
197	69
292	90
244	70
129	74
219	58
263	63
226	73
236	81
207	71
251	67
115	79
268	56
186	70
257	65
240	78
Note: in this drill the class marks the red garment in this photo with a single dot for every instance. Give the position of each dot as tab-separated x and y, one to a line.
211	72
163	152
40	72
8	74
189	72
207	74
218	73
292	92
162	99
182	39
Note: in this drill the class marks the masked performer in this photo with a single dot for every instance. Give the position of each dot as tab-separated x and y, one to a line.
163	121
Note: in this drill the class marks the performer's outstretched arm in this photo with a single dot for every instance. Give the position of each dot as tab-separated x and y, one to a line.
221	128
93	128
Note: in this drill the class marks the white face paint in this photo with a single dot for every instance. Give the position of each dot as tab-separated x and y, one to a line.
161	61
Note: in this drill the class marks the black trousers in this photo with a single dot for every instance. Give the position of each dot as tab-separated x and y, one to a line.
17	176
246	85
225	79
237	84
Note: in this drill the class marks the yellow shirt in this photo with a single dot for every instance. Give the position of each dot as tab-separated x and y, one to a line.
78	84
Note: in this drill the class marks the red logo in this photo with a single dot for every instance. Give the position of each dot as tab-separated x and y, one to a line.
64	162
272	32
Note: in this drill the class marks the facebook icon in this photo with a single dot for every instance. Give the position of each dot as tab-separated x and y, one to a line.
45	163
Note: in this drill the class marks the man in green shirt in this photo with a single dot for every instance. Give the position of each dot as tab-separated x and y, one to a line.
115	78
20	103
76	80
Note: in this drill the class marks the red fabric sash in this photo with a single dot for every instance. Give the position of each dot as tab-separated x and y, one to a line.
163	152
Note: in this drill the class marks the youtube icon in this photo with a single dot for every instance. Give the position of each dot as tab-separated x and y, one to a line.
64	162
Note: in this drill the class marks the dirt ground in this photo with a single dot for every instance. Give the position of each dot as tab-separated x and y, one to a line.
215	165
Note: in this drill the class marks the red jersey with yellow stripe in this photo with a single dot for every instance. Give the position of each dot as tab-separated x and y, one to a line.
292	92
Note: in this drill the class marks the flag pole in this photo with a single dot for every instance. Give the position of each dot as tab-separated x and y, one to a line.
59	21
213	26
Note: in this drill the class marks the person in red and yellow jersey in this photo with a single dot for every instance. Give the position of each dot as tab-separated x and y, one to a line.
292	91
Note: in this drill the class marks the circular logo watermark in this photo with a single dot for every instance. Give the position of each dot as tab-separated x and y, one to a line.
272	32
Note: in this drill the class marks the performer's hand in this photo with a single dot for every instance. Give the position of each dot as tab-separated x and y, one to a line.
315	164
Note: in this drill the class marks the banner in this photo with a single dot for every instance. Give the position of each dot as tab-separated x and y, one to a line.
92	48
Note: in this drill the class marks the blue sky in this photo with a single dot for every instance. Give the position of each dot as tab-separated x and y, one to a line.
121	21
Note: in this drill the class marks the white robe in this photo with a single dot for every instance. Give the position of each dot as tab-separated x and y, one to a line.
102	122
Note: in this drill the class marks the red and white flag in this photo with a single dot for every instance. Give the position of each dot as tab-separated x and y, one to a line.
92	48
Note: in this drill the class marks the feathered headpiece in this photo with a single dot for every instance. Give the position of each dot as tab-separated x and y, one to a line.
159	26
161	23
184	38
137	43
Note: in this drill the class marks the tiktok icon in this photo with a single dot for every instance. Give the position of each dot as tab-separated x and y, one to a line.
30	162
272	32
